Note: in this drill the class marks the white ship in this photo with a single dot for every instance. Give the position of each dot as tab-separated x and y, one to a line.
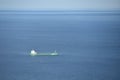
34	53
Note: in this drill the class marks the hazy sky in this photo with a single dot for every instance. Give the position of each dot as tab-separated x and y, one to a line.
59	4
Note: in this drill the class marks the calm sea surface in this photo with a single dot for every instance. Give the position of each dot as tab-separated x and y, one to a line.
88	46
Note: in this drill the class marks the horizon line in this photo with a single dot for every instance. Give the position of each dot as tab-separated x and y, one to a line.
85	10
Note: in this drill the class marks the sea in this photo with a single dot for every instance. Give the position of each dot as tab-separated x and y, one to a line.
88	44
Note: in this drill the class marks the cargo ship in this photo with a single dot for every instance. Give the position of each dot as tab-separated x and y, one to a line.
34	53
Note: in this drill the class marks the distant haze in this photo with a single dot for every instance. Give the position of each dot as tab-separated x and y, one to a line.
59	4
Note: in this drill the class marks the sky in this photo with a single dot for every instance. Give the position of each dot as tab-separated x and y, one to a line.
59	4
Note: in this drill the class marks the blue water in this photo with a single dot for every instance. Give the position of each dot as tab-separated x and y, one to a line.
89	46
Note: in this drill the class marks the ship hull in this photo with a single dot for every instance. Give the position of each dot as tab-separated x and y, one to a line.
45	54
